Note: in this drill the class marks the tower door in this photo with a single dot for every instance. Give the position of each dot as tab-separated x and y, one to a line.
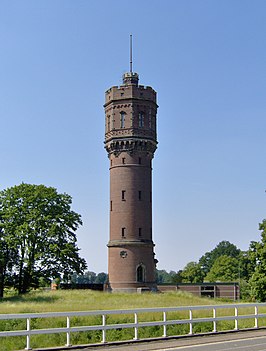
140	274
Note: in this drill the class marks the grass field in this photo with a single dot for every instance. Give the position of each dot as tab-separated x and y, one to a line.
78	300
86	300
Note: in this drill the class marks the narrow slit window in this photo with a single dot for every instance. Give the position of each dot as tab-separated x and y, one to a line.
139	160
140	231
123	195
140	195
111	205
123	160
123	233
108	123
122	119
150	118
141	119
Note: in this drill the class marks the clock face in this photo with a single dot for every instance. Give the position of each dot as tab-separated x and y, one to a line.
123	254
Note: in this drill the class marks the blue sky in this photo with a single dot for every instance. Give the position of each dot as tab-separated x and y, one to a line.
206	60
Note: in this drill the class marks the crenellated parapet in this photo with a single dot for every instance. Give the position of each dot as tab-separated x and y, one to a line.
139	92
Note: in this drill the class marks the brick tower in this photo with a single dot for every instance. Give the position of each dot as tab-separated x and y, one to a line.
130	140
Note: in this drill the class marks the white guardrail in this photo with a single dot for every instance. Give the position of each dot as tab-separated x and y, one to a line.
235	316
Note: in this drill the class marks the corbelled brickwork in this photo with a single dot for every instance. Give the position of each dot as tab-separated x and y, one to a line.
130	140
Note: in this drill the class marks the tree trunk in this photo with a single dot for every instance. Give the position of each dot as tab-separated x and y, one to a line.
1	284
20	277
26	281
2	279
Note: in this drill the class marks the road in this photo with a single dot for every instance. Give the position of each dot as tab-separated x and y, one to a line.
255	344
254	340
240	341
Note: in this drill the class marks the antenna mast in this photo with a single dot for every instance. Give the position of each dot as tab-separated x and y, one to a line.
131	53
130	78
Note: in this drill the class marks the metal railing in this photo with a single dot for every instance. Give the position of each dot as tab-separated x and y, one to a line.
237	314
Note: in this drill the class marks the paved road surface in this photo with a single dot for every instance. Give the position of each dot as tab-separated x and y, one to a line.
254	340
255	344
241	341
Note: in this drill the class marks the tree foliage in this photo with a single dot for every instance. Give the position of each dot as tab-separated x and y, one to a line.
89	277
163	277
101	278
258	256
224	269
223	248
192	273
7	257
37	228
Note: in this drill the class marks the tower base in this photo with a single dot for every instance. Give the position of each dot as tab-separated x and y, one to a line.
134	288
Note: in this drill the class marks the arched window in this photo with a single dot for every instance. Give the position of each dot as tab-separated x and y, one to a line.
141	120
122	119
140	274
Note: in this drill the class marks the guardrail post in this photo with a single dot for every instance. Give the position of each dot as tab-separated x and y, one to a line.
68	332
190	324
165	325
214	321
256	317
103	329
236	319
136	327
28	335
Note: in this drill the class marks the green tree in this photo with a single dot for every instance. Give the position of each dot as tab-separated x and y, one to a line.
101	278
38	225
87	278
163	277
250	260
258	256
223	248
8	256
192	273
224	269
3	261
176	277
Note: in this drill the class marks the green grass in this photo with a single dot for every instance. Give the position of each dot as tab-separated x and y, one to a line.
86	300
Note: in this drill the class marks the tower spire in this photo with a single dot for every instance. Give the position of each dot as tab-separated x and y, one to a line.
130	78
131	70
